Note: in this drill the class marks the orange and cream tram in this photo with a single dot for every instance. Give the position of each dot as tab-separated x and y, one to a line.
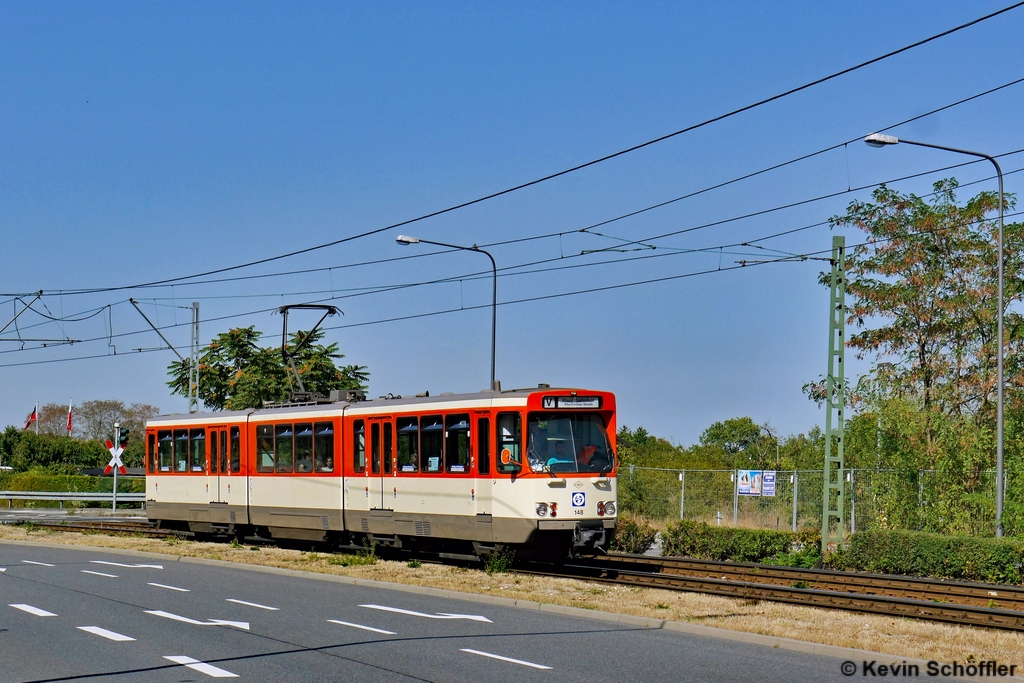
532	469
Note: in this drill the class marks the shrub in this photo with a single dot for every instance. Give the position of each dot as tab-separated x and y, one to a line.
698	539
633	535
500	562
964	558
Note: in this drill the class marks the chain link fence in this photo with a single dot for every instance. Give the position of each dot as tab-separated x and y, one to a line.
921	500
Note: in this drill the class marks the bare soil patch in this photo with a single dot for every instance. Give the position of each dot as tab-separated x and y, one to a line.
899	637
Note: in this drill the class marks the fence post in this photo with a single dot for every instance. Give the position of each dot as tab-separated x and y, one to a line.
796	481
682	494
920	499
736	498
853	503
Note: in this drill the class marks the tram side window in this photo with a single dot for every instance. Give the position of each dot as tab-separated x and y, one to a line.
358	446
213	453
283	452
408	443
510	438
165	447
483	445
323	447
264	448
224	451
375	448
456	446
181	450
304	447
236	450
197	455
388	448
151	453
431	443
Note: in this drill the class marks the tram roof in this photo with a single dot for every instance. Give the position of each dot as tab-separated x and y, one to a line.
509	397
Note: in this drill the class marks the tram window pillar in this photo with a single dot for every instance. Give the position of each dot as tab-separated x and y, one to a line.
483	445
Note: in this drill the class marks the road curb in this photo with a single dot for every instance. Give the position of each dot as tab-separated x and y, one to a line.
775	642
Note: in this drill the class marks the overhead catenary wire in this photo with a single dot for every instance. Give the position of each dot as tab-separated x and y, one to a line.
782	259
111	336
584	165
587	230
505	270
589	290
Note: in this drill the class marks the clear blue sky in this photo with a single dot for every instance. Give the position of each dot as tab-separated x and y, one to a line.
142	141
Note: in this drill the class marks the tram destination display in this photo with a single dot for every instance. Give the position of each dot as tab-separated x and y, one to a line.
571	402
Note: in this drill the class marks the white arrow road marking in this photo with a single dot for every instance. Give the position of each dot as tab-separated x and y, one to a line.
211	622
171	588
3	569
41	564
33	610
252	604
225	622
440	615
504	659
365	628
129	566
202	667
109	576
109	635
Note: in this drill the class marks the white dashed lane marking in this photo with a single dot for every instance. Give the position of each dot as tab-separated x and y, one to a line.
505	659
109	635
129	566
170	588
201	667
109	576
252	604
41	564
33	610
365	628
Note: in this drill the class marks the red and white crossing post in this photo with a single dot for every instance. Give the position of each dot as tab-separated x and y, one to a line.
115	463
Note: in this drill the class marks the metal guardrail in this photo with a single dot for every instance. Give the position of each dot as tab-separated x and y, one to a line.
61	496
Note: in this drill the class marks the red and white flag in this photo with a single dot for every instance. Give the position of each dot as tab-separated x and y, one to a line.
69	418
31	418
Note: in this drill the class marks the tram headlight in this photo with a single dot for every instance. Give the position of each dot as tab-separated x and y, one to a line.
542	509
609	508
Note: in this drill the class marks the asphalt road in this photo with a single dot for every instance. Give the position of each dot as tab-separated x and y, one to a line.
76	615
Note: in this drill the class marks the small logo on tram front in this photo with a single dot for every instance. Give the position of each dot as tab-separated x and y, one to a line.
579	499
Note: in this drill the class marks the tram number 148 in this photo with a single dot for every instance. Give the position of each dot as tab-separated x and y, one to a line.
579	500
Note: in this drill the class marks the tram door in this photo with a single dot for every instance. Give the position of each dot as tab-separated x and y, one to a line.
381	474
483	468
218	446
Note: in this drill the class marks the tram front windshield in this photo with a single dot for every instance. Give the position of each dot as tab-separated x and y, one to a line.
568	442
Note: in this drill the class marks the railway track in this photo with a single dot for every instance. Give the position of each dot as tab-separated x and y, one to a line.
145	529
976	604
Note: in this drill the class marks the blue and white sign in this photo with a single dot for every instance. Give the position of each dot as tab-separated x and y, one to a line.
579	499
768	483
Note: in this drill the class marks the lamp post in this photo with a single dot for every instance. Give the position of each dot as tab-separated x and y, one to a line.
880	140
406	240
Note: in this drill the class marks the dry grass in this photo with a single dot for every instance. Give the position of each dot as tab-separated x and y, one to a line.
896	636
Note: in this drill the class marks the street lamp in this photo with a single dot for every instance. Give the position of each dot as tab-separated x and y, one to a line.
880	140
406	240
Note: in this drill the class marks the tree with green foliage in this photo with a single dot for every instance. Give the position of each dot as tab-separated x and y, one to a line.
922	292
54	454
235	373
